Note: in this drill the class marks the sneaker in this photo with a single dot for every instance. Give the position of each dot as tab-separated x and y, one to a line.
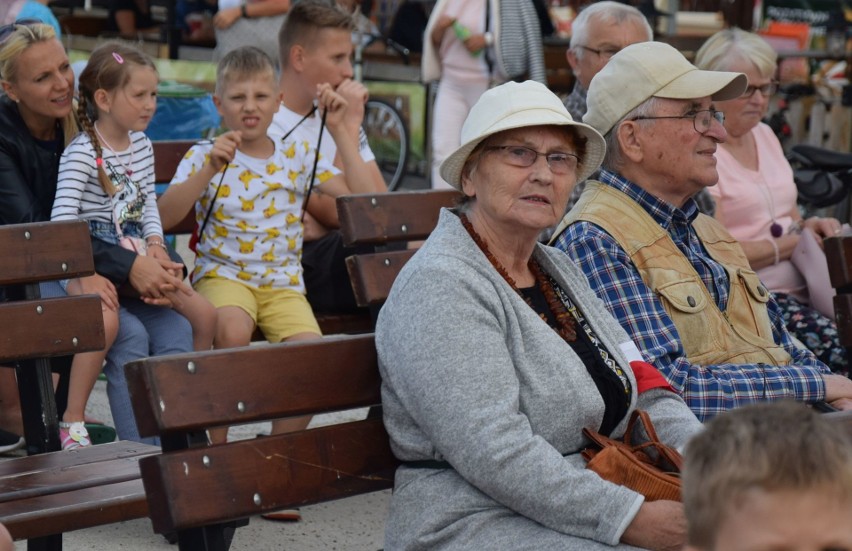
10	441
73	435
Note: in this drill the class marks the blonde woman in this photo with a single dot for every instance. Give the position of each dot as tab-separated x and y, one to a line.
756	195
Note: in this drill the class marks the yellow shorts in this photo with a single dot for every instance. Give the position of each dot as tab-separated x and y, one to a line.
279	313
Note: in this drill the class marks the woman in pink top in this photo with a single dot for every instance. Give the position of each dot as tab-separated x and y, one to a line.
756	194
471	45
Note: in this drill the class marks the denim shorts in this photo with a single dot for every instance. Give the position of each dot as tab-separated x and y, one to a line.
105	231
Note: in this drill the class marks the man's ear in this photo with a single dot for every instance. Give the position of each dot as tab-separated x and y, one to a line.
102	100
297	57
630	141
573	60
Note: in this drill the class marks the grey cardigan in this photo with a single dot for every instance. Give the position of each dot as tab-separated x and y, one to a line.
472	376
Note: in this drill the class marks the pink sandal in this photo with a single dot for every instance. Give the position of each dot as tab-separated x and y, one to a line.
73	435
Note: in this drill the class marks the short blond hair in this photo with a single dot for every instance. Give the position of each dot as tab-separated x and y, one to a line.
781	446
724	48
245	62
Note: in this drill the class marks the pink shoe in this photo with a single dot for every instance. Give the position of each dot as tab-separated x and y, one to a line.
73	435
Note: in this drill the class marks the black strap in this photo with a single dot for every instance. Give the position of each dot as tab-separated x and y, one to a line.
212	204
314	169
311	112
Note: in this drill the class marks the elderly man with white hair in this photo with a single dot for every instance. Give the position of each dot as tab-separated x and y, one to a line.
676	280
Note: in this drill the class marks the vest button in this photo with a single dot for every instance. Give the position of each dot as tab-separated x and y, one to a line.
761	290
690	301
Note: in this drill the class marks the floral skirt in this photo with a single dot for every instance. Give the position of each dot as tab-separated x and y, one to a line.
817	332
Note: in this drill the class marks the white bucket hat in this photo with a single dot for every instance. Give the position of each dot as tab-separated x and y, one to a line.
652	69
519	105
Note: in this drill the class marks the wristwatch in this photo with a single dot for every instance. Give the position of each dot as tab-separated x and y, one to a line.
489	39
243	11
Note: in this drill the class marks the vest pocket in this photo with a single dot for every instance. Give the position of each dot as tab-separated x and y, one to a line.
686	303
686	295
755	288
757	296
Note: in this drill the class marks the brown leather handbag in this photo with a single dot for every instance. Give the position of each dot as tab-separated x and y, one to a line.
651	468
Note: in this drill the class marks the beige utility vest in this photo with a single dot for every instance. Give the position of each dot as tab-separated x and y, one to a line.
740	334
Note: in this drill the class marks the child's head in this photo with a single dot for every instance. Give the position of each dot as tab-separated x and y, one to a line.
118	91
769	476
315	41
247	94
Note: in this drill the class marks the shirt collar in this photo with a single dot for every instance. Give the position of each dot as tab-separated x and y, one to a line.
665	214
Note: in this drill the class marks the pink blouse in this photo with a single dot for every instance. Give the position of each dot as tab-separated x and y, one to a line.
750	200
456	61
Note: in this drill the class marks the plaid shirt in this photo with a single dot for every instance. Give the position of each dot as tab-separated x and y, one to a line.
707	389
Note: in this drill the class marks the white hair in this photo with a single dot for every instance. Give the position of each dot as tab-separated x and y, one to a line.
607	11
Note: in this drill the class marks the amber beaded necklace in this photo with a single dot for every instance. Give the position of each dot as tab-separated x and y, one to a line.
564	320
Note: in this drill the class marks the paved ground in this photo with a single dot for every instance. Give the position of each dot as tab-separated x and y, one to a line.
351	524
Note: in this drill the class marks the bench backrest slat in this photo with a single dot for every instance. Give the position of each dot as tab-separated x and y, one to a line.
44	251
45	328
838	254
189	392
167	156
201	486
391	217
386	220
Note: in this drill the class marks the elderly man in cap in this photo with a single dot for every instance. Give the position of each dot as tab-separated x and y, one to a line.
676	280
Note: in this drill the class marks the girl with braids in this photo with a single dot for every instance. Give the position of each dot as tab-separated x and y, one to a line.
106	177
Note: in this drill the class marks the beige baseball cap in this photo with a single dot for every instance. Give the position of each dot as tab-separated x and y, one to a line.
649	69
519	105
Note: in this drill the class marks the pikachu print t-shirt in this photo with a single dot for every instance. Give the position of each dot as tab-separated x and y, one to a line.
254	234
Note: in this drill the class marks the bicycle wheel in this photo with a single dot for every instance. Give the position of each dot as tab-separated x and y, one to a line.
388	138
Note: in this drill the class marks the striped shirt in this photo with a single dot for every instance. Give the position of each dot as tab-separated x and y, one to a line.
79	194
707	389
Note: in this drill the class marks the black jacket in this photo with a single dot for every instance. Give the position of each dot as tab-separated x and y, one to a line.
28	185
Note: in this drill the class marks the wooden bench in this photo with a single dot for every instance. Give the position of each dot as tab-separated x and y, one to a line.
167	157
49	493
199	490
385	220
838	253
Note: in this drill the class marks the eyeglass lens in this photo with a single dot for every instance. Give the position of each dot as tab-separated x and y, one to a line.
559	163
704	118
766	90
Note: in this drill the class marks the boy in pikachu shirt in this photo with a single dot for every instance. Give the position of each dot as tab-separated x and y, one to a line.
248	191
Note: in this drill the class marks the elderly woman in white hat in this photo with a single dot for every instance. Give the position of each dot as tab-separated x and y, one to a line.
495	354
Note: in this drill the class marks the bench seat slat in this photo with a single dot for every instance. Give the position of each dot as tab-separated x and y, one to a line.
45	251
68	479
51	331
283	470
121	449
271	385
67	490
65	512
